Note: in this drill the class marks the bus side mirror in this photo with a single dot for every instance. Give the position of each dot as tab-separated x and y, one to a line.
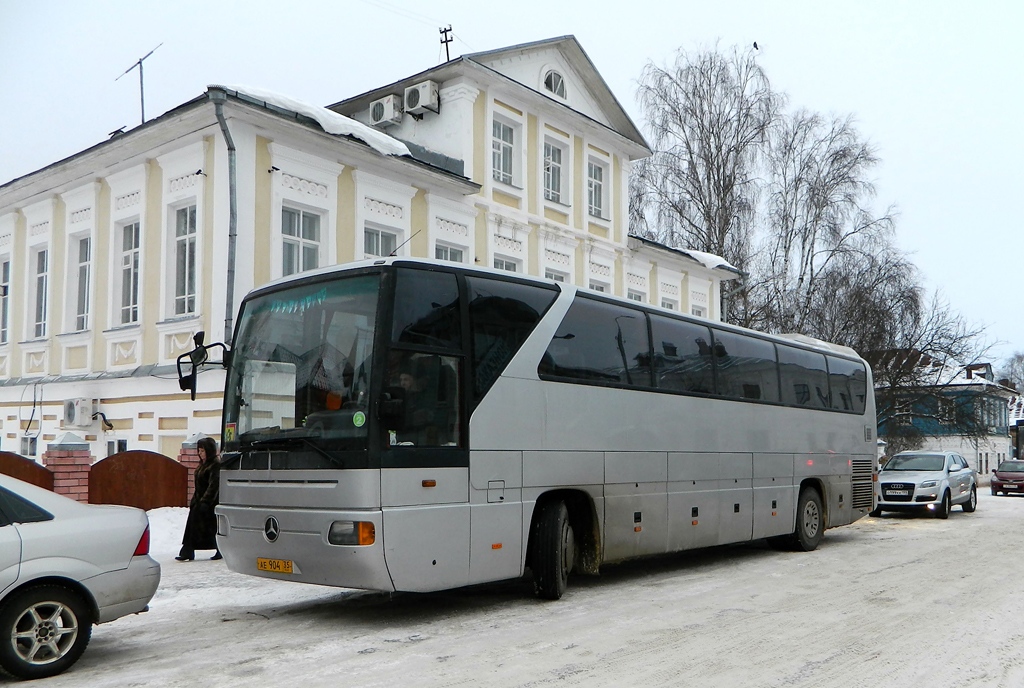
392	408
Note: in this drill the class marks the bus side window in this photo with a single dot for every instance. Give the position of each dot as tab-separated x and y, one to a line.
804	377
428	386
600	342
746	367
848	383
682	356
502	315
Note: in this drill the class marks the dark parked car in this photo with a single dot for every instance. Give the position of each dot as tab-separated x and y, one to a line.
1008	478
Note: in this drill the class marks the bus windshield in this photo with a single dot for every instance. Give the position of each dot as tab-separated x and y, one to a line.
300	371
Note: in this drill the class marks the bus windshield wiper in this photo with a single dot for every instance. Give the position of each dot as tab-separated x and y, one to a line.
289	438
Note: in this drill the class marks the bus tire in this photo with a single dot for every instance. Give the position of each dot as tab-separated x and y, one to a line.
810	521
554	549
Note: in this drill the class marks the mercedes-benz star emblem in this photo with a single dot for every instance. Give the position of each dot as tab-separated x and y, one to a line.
271	529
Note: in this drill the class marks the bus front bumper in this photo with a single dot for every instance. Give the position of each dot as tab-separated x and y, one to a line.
292	544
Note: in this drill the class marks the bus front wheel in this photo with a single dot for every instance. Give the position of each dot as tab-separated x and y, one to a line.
554	549
810	521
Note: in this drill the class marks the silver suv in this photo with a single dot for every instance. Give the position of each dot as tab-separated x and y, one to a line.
927	481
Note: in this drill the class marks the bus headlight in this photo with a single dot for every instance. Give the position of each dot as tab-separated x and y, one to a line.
351	533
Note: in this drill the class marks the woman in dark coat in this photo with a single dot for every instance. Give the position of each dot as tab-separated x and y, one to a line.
201	526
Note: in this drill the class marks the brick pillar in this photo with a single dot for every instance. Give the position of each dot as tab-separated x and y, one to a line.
189	457
70	461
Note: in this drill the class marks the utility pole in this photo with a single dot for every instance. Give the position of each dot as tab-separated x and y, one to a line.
445	40
142	91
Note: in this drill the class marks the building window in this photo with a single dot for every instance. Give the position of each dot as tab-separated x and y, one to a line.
5	287
130	273
185	260
502	141
554	82
40	307
595	189
554	275
552	172
300	249
598	286
379	243
442	252
504	264
82	288
699	311
634	295
668	304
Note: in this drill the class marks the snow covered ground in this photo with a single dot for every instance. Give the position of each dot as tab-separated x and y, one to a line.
887	601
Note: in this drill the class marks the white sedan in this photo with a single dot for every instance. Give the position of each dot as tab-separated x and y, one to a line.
65	566
928	482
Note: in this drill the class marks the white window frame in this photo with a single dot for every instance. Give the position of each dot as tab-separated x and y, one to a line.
185	296
599	287
699	311
555	193
669	304
5	296
129	264
555	275
378	232
41	264
597	188
81	283
636	295
557	87
443	251
507	264
503	150
299	241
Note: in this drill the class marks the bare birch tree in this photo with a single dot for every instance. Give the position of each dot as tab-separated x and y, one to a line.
817	217
708	117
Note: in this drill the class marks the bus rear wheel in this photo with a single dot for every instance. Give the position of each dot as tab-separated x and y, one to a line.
810	521
554	550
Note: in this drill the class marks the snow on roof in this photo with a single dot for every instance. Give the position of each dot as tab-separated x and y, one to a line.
709	260
332	122
1016	405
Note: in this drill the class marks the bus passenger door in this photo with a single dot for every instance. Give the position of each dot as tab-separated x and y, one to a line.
426	527
496	515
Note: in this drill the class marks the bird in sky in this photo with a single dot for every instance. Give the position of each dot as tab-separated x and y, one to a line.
755	46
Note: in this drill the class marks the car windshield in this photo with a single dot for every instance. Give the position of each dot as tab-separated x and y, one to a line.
916	462
1011	467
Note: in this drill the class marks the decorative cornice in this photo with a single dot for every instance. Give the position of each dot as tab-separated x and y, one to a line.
600	269
39	228
508	244
636	280
83	215
383	208
305	186
556	257
185	181
452	227
699	297
672	289
128	200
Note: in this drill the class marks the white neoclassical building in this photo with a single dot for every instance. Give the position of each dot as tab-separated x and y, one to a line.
112	259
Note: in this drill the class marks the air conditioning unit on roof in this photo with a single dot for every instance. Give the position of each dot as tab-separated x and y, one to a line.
423	97
386	111
78	413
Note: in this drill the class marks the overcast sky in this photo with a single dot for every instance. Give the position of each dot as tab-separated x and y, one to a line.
934	85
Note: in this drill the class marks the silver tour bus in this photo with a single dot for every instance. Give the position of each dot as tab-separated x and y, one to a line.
405	425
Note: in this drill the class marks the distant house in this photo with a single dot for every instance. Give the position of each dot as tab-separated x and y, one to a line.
947	408
1015	411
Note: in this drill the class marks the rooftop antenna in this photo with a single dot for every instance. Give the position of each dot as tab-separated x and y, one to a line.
395	252
142	92
445	40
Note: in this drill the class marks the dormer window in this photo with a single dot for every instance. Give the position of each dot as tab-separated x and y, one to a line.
553	82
